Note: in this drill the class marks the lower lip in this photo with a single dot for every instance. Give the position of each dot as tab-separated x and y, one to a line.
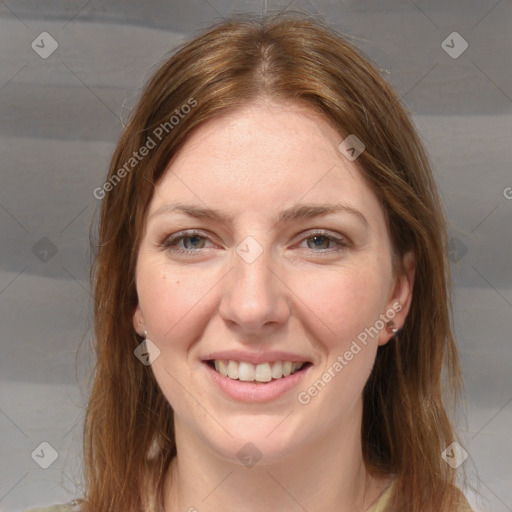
252	391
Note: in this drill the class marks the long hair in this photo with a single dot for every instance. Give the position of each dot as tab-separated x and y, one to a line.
129	427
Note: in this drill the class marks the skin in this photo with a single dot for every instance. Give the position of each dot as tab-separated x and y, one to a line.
296	296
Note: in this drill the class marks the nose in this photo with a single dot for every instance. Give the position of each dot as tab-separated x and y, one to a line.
255	297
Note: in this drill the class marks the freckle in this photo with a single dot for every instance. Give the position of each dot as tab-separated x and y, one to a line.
177	282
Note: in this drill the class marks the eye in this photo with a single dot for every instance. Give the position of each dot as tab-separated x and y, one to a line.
191	241
322	239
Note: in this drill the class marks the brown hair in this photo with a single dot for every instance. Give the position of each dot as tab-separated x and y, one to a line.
129	429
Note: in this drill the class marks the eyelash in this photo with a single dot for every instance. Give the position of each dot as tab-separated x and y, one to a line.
168	242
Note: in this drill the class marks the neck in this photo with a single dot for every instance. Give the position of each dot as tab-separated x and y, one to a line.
325	476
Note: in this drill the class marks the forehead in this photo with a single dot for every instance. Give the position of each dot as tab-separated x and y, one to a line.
264	157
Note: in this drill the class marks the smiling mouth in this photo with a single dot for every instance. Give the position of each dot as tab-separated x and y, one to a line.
259	373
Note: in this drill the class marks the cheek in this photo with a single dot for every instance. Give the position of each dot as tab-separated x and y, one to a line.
170	302
168	299
347	308
342	302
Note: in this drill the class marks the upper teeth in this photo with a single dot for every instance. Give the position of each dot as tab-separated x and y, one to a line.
262	372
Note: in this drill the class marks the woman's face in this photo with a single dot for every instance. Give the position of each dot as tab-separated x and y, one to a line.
291	265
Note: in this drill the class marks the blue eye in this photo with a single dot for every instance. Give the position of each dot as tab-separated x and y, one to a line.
190	238
321	238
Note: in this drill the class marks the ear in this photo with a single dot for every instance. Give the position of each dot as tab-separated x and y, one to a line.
399	303
138	321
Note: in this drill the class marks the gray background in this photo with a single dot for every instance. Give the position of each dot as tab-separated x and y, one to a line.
60	119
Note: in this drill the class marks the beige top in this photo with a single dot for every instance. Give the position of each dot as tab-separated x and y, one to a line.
378	506
68	507
383	500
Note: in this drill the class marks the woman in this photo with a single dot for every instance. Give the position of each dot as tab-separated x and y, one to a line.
272	301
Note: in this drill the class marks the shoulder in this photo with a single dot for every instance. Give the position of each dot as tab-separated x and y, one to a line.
72	506
383	500
53	508
464	506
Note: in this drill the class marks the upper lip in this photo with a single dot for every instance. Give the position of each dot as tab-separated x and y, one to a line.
255	357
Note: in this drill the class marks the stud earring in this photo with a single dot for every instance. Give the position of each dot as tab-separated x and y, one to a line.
390	326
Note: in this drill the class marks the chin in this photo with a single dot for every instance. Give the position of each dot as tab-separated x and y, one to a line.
254	446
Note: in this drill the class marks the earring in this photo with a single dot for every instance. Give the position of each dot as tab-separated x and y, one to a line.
390	326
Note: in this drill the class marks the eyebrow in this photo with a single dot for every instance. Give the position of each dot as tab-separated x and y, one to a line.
297	212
